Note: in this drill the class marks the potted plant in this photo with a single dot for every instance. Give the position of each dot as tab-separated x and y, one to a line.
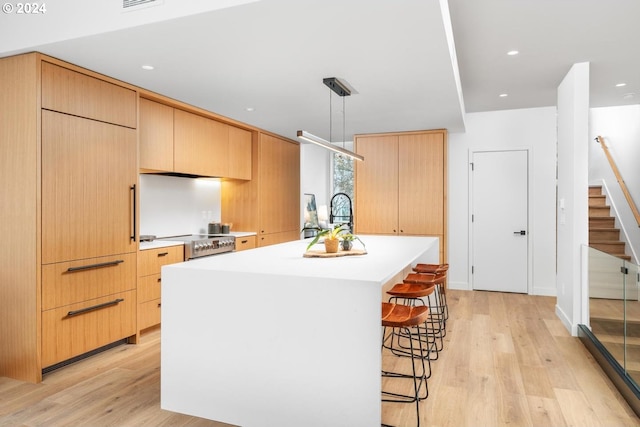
347	241
335	237
331	238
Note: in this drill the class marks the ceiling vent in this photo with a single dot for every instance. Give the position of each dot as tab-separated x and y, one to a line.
128	5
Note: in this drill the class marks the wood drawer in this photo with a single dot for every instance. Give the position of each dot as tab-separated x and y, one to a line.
66	334
75	93
151	260
149	314
149	287
275	238
76	281
247	242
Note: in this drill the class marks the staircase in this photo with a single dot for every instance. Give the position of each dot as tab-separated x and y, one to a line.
602	232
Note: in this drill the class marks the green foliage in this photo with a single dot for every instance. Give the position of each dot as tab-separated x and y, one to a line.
351	237
339	232
343	175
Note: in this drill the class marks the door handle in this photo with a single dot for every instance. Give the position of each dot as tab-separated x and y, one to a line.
521	233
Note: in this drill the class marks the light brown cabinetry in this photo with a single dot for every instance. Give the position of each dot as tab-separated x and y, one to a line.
401	187
156	136
180	141
150	262
270	202
88	171
69	162
78	328
246	242
239	153
201	145
78	94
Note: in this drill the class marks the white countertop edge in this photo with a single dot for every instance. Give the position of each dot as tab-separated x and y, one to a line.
158	244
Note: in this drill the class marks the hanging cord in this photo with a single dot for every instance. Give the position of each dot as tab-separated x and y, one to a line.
344	121
330	116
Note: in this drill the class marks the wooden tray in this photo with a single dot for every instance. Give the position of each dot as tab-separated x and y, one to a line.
340	253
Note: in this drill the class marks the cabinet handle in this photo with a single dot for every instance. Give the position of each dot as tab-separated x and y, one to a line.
243	241
99	265
133	216
163	254
95	307
159	279
159	304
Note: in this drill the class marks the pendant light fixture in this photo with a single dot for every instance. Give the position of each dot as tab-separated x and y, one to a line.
342	90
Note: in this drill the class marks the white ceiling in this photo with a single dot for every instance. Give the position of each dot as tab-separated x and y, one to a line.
272	55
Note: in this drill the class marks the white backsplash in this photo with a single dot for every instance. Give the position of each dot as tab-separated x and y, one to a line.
171	206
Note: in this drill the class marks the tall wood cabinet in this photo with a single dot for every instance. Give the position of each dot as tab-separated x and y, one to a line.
400	188
270	202
69	167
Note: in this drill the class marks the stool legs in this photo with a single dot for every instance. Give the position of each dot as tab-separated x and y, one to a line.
430	330
418	373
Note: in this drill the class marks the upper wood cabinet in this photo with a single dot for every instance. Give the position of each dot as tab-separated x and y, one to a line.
156	136
81	95
175	140
239	153
270	202
201	145
400	188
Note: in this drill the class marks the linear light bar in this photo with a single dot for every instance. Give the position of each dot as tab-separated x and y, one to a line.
306	136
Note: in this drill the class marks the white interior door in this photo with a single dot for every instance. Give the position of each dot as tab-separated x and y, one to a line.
500	194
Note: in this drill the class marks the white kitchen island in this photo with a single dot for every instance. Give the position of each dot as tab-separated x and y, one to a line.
266	337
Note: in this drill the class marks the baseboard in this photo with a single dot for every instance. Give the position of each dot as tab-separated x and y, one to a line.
573	329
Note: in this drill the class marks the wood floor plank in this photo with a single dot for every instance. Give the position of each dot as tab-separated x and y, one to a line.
507	361
545	411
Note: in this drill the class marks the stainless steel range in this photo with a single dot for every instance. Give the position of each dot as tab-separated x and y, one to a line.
201	245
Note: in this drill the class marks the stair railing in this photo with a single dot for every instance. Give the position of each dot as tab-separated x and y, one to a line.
623	186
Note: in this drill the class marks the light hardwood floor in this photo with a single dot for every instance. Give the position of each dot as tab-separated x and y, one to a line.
507	361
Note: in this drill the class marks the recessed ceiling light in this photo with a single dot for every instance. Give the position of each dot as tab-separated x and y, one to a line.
621	85
147	67
250	109
503	95
512	52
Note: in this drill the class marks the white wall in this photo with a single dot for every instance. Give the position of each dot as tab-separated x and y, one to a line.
171	206
620	128
573	222
534	129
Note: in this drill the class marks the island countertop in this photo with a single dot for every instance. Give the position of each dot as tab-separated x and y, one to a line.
268	337
384	254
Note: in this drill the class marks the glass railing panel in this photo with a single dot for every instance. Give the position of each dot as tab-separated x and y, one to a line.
632	322
607	293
